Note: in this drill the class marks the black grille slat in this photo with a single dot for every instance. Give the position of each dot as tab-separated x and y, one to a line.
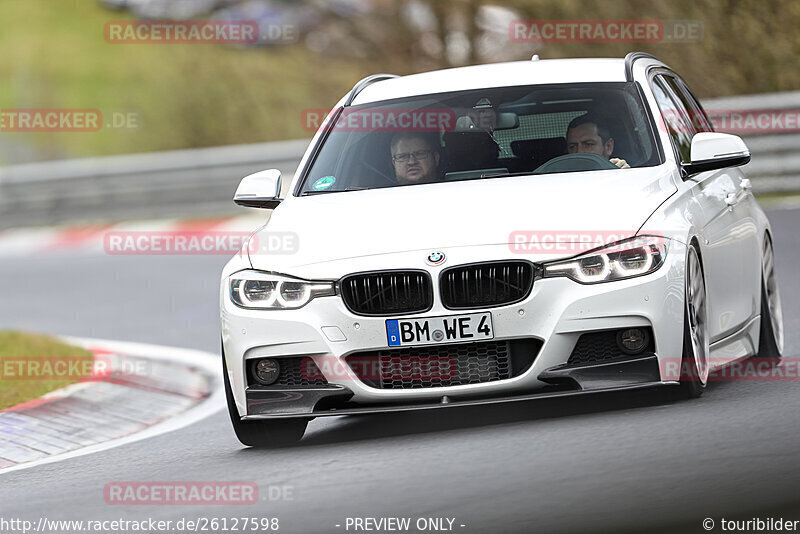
445	365
387	293
487	284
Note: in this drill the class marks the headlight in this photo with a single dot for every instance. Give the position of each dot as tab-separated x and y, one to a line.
264	291
626	259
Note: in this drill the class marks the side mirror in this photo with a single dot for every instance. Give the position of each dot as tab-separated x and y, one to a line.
711	151
259	190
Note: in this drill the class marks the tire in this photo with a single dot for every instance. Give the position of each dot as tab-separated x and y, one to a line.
267	434
770	344
694	360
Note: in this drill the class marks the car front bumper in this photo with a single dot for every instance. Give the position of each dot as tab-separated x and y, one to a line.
556	313
311	402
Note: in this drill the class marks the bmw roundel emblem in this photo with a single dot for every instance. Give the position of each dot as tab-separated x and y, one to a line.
436	258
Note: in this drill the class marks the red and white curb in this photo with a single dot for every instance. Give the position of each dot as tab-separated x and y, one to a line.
149	390
95	238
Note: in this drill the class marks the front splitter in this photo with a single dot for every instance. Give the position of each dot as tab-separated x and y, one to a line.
451	403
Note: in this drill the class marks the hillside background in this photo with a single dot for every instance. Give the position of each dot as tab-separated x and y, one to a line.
55	56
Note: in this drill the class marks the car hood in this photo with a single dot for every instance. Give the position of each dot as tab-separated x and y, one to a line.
591	206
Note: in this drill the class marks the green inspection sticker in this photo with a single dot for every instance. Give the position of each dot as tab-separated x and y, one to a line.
324	183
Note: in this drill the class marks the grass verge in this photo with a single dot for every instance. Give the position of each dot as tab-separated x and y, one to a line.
180	95
33	364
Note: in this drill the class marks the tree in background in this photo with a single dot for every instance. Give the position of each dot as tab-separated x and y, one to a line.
751	46
207	95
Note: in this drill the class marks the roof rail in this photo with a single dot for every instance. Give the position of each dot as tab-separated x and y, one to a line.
630	58
363	84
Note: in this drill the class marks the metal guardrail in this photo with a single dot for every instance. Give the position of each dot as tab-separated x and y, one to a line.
201	182
181	183
775	164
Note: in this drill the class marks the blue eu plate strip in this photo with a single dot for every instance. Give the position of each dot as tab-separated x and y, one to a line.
393	332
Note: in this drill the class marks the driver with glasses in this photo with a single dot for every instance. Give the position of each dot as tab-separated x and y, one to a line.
415	158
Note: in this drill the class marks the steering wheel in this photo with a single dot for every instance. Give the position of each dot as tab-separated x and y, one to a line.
575	162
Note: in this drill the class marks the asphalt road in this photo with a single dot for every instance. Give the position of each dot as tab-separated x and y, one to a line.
604	463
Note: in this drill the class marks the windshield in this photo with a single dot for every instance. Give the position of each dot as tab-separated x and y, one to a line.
484	134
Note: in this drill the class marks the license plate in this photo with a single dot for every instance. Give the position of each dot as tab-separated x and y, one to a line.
432	330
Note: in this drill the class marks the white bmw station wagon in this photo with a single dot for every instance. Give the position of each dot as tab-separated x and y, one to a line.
498	233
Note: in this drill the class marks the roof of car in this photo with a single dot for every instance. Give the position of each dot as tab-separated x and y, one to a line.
547	71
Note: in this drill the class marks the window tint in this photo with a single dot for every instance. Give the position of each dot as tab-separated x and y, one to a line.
676	119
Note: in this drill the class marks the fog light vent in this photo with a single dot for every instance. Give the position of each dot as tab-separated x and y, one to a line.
633	340
266	371
609	345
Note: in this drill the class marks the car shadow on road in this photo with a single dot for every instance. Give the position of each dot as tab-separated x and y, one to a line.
358	428
377	426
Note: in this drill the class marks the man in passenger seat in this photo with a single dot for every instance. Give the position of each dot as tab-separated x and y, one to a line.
588	134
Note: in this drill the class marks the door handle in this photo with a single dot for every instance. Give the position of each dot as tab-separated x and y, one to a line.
731	199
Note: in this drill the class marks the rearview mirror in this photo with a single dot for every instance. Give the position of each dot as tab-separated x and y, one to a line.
259	190
711	151
507	120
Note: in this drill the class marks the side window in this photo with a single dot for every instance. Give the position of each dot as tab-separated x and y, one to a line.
676	119
697	114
